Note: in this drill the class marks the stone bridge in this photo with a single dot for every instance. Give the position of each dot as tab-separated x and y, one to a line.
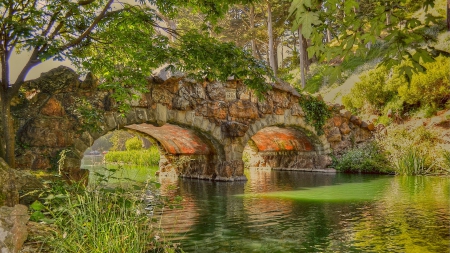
201	128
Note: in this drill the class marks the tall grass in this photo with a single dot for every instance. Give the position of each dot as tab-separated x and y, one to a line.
101	221
412	162
99	218
146	157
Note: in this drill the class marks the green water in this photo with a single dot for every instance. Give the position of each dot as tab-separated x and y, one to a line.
281	211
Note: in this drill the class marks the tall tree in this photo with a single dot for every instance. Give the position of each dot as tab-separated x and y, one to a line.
271	50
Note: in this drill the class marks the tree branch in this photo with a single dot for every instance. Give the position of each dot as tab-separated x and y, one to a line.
89	29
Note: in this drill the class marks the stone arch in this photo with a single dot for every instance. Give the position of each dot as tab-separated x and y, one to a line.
184	152
317	154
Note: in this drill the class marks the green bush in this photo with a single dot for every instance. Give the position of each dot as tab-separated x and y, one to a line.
365	159
430	87
147	157
133	144
370	91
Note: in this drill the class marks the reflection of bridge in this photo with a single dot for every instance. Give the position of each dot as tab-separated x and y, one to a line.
201	128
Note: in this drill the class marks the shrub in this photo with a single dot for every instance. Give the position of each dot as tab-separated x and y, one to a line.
133	144
369	91
147	157
430	87
368	158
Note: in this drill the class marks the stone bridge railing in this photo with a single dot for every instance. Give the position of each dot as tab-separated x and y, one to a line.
201	129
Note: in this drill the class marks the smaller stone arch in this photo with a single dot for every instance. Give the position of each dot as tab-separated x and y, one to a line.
303	150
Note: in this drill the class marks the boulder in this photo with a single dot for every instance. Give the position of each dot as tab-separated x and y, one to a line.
13	229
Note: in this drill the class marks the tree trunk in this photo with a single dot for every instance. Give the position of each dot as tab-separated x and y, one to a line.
282	52
271	44
10	190
302	58
305	55
252	27
8	132
328	35
448	15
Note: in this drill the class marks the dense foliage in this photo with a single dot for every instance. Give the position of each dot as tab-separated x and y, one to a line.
382	89
365	159
355	25
133	144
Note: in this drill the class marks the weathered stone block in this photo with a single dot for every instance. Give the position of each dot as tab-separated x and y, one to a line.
243	109
216	91
53	108
141	115
161	114
233	129
334	135
344	128
13	229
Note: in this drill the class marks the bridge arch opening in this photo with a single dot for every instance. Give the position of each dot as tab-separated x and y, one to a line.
183	151
284	147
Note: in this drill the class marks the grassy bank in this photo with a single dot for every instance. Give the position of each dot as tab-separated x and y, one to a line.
143	157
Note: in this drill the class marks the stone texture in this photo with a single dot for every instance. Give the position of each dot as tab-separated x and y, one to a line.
233	129
13	229
334	135
53	108
345	129
243	109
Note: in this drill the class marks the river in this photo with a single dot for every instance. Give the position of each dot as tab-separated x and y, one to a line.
288	211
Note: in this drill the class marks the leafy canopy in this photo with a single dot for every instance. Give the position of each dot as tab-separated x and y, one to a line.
356	24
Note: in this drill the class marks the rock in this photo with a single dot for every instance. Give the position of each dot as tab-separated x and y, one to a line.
369	126
24	181
216	91
337	120
265	106
345	129
60	79
90	82
243	109
233	129
53	108
13	229
355	120
334	135
346	114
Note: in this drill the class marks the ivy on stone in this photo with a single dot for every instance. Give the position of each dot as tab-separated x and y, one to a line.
316	112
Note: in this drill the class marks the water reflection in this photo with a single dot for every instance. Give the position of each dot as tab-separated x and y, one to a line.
280	211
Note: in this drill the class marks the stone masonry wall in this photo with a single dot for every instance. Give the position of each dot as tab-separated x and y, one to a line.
49	119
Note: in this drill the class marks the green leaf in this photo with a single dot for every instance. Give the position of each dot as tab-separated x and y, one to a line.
306	22
37	206
37	216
